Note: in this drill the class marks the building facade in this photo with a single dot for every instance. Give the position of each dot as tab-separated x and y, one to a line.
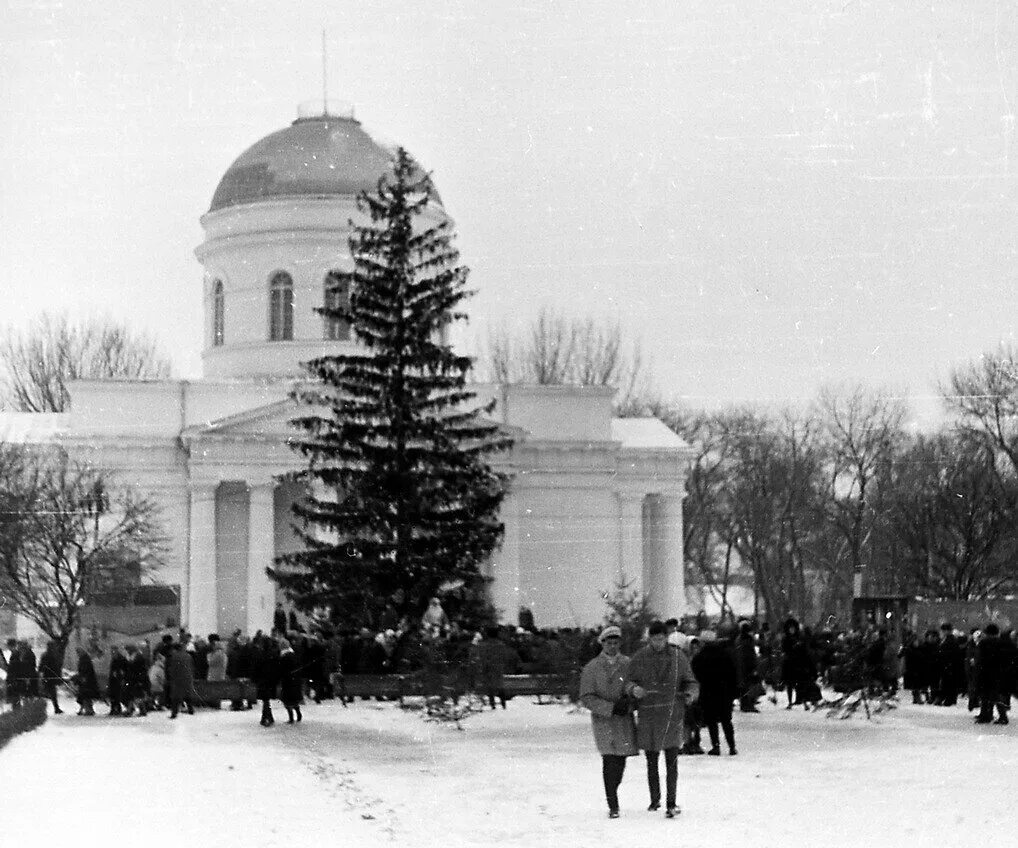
594	500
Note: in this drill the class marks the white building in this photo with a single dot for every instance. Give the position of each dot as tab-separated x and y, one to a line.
593	497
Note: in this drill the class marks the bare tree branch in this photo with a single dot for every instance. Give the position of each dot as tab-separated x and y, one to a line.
37	364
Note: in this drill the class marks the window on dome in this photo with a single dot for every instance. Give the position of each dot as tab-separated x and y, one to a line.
218	313
337	296
281	307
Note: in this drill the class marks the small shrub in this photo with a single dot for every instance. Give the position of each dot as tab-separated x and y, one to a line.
31	715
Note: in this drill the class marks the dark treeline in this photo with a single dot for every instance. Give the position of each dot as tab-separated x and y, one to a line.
798	501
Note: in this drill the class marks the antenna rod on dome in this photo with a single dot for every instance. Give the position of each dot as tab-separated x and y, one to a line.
325	78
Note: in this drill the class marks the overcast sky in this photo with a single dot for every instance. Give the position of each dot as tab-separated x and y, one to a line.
769	195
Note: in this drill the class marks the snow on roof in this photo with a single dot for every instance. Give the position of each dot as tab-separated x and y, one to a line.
31	428
645	433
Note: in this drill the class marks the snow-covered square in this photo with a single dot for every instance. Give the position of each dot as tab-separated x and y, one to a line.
373	774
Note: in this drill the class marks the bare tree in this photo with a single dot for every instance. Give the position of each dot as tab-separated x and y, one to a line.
37	364
955	515
557	350
863	433
65	532
984	394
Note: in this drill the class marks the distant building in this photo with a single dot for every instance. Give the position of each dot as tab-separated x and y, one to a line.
592	497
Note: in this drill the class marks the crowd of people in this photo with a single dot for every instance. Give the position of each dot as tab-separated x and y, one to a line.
735	664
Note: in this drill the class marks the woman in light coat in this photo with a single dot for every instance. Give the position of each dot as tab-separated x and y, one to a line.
602	691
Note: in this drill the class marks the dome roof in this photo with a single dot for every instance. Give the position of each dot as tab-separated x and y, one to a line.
318	156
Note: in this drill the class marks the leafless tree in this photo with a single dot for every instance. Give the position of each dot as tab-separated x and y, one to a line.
558	350
67	531
37	364
863	433
984	394
955	515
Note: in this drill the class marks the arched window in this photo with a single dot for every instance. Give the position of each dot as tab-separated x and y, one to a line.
281	307
218	310
337	296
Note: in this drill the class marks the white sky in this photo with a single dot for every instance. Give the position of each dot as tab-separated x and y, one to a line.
770	195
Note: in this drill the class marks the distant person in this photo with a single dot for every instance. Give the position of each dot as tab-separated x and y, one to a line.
180	680
266	675
157	682
951	666
87	684
434	621
715	670
603	692
136	682
746	669
993	678
115	681
51	673
291	681
662	682
489	656
216	659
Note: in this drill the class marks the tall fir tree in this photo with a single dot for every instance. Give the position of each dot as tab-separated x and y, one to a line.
399	497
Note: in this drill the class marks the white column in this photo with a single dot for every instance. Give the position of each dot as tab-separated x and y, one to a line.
261	551
630	540
202	603
671	568
505	590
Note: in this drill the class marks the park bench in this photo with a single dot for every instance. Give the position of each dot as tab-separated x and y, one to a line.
212	692
400	686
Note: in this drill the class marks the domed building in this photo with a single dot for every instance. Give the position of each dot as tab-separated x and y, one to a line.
593	497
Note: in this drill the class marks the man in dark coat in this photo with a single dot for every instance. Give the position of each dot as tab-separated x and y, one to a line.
991	687
19	669
916	673
489	659
266	676
602	691
746	668
51	672
180	680
715	670
798	668
86	682
136	683
663	684
291	681
115	681
950	667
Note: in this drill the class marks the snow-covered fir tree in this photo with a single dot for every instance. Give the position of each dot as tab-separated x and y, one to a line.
399	495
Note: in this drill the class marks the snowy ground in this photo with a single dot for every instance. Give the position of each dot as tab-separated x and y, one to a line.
529	776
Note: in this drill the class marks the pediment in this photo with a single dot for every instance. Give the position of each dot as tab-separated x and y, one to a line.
272	423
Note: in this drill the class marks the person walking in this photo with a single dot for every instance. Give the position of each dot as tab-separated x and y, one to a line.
662	682
266	676
157	682
715	670
51	672
87	684
747	674
951	666
115	681
291	681
602	691
180	680
489	656
991	658
217	659
136	683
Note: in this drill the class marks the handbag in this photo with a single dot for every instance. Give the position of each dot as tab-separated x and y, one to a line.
623	705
